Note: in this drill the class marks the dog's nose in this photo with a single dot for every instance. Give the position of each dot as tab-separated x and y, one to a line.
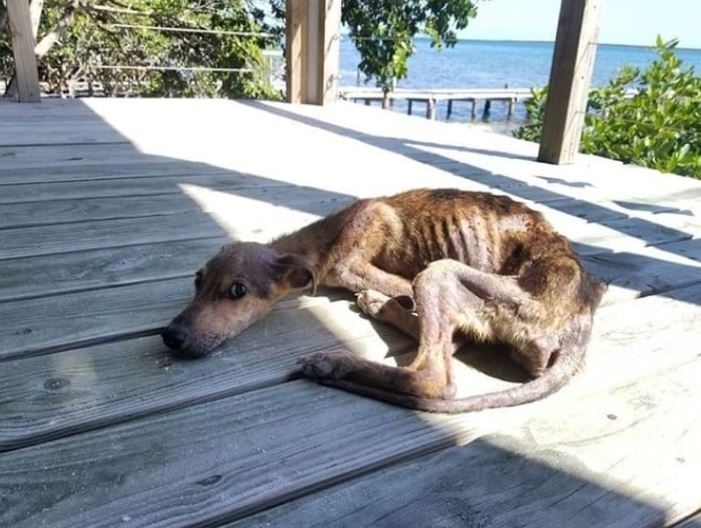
174	336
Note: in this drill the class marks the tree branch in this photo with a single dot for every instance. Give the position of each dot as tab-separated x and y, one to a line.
53	36
35	9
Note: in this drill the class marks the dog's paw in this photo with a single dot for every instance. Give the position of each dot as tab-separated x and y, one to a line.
371	302
327	365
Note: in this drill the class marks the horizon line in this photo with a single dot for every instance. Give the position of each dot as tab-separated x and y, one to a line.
537	41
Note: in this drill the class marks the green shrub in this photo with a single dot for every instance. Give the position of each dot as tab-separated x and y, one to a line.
650	117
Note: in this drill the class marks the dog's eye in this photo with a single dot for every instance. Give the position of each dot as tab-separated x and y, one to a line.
237	290
198	280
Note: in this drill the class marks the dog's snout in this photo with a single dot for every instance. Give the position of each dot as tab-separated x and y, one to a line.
174	335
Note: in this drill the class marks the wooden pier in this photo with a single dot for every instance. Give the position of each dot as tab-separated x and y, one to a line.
431	97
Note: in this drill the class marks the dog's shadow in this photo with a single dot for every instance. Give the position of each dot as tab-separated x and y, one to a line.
492	360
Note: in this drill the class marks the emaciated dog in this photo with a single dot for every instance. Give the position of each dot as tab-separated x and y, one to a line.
433	263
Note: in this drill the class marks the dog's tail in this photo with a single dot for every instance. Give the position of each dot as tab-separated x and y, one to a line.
568	362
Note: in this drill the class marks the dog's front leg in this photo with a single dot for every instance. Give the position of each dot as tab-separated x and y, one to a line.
381	295
356	275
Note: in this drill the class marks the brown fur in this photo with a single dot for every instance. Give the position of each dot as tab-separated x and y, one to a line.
474	264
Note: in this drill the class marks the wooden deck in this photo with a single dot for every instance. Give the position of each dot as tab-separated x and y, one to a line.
108	206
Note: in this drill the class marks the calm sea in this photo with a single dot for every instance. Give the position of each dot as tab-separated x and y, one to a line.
493	64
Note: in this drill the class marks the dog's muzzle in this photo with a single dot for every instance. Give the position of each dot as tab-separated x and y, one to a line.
175	335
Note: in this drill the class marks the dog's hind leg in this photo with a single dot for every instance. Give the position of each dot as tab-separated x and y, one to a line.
446	302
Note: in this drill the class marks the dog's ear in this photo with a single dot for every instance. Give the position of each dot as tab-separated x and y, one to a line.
296	272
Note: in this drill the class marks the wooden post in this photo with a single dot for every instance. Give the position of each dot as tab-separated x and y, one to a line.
408	107
570	80
512	107
487	109
312	46
23	43
431	108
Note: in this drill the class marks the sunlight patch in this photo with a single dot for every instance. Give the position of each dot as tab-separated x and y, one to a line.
246	218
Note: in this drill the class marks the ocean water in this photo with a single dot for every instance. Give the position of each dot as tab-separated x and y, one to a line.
495	64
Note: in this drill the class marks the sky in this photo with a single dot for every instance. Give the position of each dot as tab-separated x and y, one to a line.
635	22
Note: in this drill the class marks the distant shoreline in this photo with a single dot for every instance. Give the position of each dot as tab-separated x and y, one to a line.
548	42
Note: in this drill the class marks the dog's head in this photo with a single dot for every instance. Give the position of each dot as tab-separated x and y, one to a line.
237	287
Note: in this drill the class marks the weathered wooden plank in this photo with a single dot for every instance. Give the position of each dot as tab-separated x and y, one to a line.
62	238
610	210
265	447
58	134
296	61
626	234
218	213
68	155
46	275
329	15
575	197
540	474
614	235
313	33
40	325
570	79
595	181
692	522
631	274
51	396
199	472
16	215
23	42
175	201
646	271
108	171
687	250
43	325
54	109
128	186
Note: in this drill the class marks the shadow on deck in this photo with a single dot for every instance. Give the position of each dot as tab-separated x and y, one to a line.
100	426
